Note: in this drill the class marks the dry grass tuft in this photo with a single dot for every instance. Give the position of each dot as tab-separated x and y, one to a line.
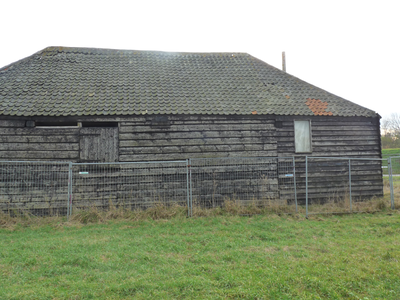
161	211
91	215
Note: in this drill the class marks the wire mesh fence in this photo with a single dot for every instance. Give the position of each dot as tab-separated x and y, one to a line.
257	181
337	185
134	185
302	184
40	188
394	180
395	165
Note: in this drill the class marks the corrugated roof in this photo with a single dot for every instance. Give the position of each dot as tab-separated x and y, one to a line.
61	81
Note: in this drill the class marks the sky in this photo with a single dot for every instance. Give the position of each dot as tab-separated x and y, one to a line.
350	48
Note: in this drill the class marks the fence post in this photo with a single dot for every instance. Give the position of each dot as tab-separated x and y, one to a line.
294	182
391	181
69	205
351	207
188	186
306	186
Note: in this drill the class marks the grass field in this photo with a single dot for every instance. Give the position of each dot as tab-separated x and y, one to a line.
161	254
390	152
395	162
218	257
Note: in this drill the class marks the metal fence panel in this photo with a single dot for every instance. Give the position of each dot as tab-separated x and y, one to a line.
304	184
393	168
40	188
260	181
133	185
337	185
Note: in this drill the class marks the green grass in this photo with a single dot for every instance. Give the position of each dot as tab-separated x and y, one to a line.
395	162
216	257
390	152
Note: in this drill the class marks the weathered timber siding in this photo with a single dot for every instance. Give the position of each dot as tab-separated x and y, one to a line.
141	139
48	144
201	136
353	137
144	138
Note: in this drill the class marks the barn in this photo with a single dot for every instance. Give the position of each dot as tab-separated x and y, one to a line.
103	105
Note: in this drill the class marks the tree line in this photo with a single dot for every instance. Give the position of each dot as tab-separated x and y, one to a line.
390	131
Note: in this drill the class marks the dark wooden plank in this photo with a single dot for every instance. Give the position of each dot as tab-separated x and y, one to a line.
346	148
40	139
39	146
12	123
197	149
202	127
207	121
339	127
39	131
178	156
195	142
39	155
328	143
371	133
364	137
327	122
195	134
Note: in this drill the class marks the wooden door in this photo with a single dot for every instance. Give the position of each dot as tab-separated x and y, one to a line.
99	144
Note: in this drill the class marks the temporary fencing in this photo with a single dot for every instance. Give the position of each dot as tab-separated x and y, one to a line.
304	184
258	181
133	185
394	175
37	187
338	184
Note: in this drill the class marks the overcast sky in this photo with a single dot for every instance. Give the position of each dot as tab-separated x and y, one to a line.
350	48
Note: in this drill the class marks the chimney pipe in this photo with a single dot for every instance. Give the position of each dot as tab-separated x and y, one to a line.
283	62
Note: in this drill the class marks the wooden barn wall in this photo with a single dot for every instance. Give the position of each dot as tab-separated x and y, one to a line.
180	137
353	137
18	142
143	139
149	138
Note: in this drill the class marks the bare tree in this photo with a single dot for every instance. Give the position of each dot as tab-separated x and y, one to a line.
394	124
385	127
391	131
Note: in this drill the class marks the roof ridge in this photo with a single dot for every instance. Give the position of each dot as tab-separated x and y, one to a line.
116	51
133	51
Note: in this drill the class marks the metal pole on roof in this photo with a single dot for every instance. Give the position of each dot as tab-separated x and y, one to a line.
283	62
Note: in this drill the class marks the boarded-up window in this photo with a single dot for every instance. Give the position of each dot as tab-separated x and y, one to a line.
99	144
302	136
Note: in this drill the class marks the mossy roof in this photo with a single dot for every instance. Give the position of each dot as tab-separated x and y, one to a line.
62	81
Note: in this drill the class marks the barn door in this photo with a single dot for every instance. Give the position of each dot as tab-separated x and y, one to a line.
99	144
